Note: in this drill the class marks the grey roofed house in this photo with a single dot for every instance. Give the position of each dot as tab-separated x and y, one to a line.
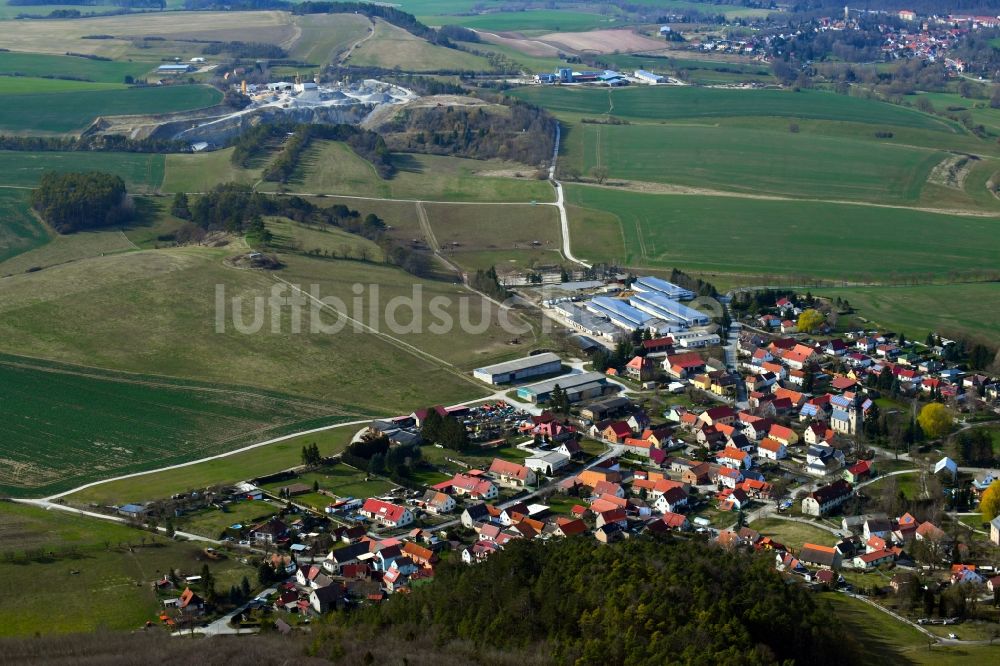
856	524
475	514
876	524
348	554
405	437
325	598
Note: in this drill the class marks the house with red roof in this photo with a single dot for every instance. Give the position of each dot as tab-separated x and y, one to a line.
783	434
616	432
771	449
511	474
735	458
859	471
640	368
716	415
682	366
386	513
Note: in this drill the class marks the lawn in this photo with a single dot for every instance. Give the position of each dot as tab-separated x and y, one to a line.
341	480
945	309
744	160
672	102
20	231
59	112
160	309
392	47
329	241
212	522
792	533
474	459
99	577
101	71
200	172
237	467
791	238
66	426
141	172
331	167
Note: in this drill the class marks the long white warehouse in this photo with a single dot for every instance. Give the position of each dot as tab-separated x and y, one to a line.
668	289
660	306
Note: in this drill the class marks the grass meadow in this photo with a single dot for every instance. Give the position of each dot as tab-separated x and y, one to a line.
200	172
323	36
160	309
793	534
59	112
98	575
331	167
792	238
390	47
90	426
542	20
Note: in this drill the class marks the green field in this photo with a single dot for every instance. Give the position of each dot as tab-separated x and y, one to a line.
791	238
122	424
671	103
392	47
24	85
141	172
237	467
159	308
98	578
73	111
20	231
969	309
64	249
704	72
102	71
331	167
200	172
736	158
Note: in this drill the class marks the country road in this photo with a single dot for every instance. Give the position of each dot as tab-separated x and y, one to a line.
560	204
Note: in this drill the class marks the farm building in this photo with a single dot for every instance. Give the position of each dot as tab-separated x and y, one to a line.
659	306
647	77
547	462
519	369
578	387
667	289
174	69
579	318
620	313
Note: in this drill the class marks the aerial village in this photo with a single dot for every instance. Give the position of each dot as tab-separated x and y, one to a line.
691	434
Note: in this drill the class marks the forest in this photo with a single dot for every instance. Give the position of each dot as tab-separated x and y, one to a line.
518	131
640	601
72	202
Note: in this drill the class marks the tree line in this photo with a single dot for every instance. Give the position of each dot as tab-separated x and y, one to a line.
365	143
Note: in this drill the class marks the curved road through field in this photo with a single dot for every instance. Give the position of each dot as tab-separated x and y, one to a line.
560	204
